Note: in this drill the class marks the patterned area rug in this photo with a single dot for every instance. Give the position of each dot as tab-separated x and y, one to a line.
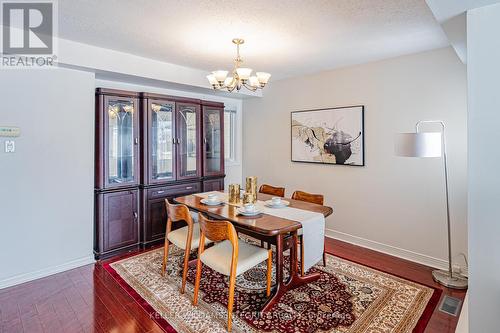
348	297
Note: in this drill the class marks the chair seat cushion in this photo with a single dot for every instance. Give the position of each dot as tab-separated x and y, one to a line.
218	257
179	237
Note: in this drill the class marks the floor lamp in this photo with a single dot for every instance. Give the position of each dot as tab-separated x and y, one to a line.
432	144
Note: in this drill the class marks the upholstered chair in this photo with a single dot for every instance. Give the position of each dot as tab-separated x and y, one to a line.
230	256
186	238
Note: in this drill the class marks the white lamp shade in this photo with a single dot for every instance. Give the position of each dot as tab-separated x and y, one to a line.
424	144
220	75
254	82
244	73
263	77
211	78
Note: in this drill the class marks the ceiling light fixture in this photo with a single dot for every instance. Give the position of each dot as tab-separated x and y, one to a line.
240	76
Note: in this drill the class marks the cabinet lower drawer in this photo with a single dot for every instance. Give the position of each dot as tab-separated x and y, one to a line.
173	190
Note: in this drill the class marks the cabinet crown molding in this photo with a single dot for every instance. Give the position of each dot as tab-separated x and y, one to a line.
116	92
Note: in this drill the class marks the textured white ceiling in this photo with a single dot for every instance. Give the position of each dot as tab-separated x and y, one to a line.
284	37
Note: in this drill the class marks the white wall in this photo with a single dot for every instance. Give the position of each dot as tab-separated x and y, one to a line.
393	204
483	73
233	169
46	192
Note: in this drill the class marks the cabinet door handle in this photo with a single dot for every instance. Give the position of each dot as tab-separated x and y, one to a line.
160	192
136	216
136	141
205	140
189	187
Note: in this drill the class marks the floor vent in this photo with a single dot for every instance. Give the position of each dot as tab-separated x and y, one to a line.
450	305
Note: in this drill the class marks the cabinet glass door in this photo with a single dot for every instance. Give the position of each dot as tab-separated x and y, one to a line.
121	142
212	141
187	140
161	145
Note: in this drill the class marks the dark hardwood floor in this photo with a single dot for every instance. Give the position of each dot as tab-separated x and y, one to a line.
87	299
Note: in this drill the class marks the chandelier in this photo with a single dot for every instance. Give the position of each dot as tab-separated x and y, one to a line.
240	76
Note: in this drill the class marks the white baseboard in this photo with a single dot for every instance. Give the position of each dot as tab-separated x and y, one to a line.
388	249
21	278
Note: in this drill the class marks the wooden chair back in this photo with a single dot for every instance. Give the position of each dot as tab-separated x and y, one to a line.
218	231
308	197
268	189
178	213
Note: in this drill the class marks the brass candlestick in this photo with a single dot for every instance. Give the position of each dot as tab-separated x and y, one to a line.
251	187
234	193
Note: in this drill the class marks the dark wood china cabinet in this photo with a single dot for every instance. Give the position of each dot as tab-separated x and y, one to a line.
188	132
213	139
120	213
150	147
213	145
117	141
160	154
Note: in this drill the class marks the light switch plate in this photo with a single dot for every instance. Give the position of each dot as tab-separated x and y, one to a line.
10	146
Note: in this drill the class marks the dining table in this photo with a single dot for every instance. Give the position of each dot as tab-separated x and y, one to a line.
280	232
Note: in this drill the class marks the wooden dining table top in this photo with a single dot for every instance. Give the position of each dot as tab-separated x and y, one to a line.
264	224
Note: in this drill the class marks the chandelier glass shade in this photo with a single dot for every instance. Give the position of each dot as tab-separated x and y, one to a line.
239	77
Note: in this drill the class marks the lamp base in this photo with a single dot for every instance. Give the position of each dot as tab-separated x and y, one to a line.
456	281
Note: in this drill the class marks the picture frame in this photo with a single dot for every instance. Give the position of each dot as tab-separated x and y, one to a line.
332	135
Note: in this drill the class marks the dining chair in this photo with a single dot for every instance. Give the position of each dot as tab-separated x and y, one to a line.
308	197
230	256
268	189
312	198
186	238
275	191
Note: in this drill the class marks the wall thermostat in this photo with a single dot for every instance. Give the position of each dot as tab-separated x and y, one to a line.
10	131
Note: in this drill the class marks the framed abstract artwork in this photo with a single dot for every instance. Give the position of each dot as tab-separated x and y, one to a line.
329	136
